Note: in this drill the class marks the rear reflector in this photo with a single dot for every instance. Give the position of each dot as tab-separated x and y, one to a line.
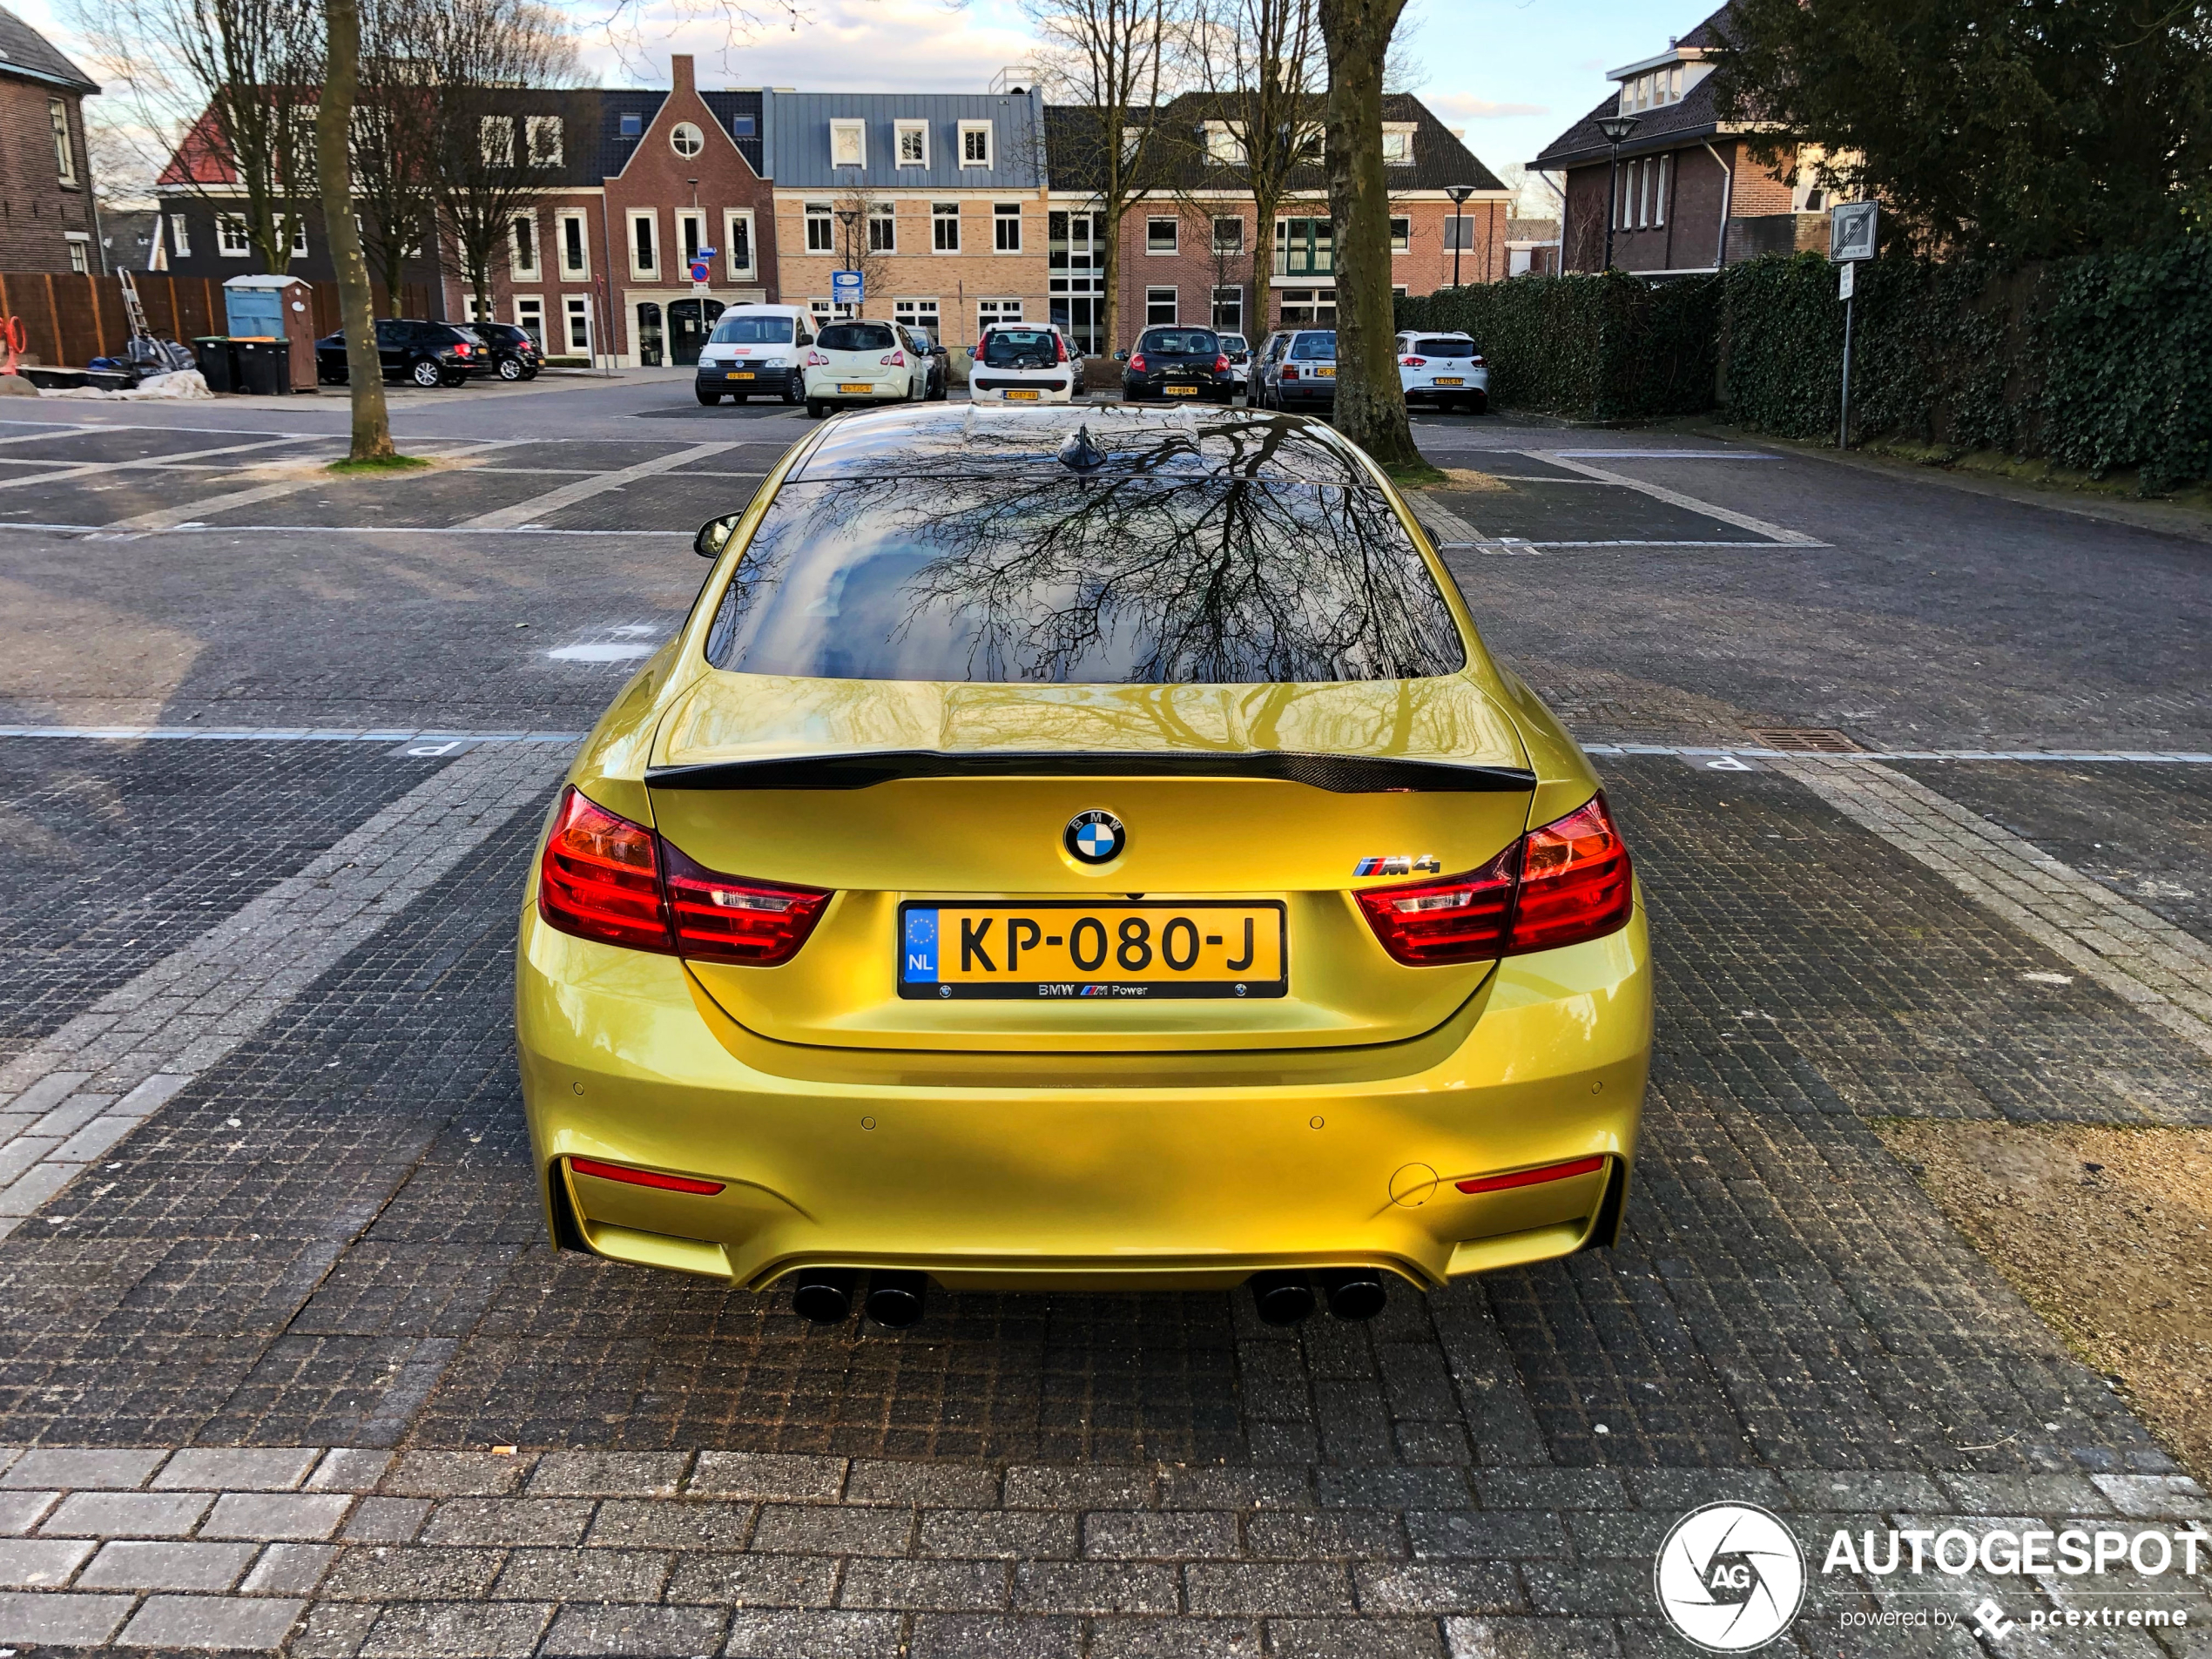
643	1177
1532	1177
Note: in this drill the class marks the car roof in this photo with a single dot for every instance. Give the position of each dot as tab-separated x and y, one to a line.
942	440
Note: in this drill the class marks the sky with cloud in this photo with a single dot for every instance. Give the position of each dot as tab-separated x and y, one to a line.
1513	73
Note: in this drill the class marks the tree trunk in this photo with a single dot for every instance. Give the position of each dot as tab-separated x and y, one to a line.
1111	276
364	368
1371	401
1263	253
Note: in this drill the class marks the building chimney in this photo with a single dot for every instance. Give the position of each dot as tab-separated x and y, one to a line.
679	72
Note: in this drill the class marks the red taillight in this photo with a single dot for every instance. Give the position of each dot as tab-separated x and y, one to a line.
1475	362
605	878
1288	373
1221	362
896	359
1560	885
599	878
815	360
1532	1177
724	919
1414	362
643	1177
1136	362
1061	341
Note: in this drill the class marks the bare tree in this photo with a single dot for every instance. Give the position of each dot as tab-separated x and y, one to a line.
372	438
488	164
1371	401
229	86
1113	59
390	149
864	243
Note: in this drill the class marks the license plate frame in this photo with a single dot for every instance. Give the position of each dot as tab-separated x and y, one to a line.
1024	394
1180	391
1328	374
1451	380
1111	981
846	388
737	374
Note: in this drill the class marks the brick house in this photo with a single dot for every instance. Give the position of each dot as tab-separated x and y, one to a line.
1188	243
1689	197
945	192
47	219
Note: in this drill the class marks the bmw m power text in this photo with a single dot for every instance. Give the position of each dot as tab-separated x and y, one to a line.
1080	848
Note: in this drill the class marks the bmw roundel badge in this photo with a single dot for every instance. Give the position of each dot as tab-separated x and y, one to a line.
1094	838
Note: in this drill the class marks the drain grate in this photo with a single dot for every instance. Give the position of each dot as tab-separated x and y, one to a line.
1804	739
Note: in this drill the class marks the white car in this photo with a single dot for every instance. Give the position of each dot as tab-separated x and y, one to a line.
1023	362
754	350
1443	369
1238	351
858	362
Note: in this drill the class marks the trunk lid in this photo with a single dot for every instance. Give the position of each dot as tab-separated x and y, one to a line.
756	776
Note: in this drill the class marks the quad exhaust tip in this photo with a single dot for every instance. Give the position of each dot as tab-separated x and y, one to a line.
895	1297
824	1295
1285	1297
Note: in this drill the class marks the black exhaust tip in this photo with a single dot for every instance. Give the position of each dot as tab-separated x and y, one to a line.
1355	1293
824	1294
895	1299
1282	1297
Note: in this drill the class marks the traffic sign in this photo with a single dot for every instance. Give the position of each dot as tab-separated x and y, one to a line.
700	270
847	288
1851	230
1843	281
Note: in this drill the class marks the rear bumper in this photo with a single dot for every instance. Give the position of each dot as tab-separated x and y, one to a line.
1218	390
1060	390
1476	387
1170	1174
1294	392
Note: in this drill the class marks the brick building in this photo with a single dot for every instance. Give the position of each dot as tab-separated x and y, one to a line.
1689	196
47	219
1188	245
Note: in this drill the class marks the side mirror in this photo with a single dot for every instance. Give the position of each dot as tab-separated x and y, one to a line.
941	351
715	535
1121	357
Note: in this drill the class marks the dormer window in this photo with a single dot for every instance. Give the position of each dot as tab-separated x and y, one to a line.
1398	145
848	144
633	124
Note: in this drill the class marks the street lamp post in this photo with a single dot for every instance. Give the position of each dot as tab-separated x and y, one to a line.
1459	194
1616	129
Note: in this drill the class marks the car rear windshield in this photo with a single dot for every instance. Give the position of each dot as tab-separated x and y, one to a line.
1443	346
1180	342
857	336
752	331
1314	349
1014	348
1069	579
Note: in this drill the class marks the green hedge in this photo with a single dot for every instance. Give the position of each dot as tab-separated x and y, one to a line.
2098	363
1609	347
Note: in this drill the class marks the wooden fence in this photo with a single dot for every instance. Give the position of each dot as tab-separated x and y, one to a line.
69	320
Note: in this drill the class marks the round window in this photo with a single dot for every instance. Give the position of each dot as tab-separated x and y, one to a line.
686	139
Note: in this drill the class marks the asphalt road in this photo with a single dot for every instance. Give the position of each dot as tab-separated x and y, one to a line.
263	1182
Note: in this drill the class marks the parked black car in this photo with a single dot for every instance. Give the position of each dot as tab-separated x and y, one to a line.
1169	364
512	356
429	354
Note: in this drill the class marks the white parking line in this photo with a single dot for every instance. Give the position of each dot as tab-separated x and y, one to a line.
527	512
170	518
78	468
1675	498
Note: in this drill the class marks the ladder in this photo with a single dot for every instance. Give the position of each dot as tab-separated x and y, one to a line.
134	313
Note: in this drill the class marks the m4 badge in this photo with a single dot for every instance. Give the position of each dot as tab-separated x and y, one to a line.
1398	864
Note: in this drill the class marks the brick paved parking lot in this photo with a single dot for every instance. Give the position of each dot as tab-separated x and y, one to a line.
286	1361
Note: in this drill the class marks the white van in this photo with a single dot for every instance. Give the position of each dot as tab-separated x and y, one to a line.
755	349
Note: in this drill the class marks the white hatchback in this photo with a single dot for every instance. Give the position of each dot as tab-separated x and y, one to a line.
858	362
1022	363
1443	369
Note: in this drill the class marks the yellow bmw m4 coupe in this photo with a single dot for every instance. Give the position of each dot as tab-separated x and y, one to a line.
1080	849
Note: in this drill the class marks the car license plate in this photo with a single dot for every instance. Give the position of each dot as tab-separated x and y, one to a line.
1450	380
1021	396
1073	949
856	386
1328	374
1182	391
738	374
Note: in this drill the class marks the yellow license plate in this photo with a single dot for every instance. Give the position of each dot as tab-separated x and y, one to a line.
1450	380
1073	950
1023	396
856	386
1182	391
738	374
1326	374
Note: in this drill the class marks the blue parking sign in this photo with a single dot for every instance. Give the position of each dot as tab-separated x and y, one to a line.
847	288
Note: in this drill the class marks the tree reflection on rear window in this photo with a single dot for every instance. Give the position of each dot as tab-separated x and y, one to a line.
1068	578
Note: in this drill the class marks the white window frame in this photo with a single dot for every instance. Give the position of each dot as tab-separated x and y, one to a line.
80	251
821	311
533	269
1001	221
574	306
991	311
1224	145
299	224
1401	244
526	306
886	215
1220	246
1402	130
917	313
695	218
732	217
650	216
939	221
1458	232
1173	302
542	137
1237	291
229	228
575	217
1175	237
1659	189
822	214
985	132
858	132
679	132
65	145
180	236
903	131
496	139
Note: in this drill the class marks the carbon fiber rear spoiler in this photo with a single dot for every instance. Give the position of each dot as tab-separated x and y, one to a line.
1340	775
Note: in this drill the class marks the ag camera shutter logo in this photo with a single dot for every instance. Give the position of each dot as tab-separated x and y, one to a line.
1729	1577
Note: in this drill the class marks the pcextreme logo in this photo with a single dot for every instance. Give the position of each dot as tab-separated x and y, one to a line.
1729	1577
